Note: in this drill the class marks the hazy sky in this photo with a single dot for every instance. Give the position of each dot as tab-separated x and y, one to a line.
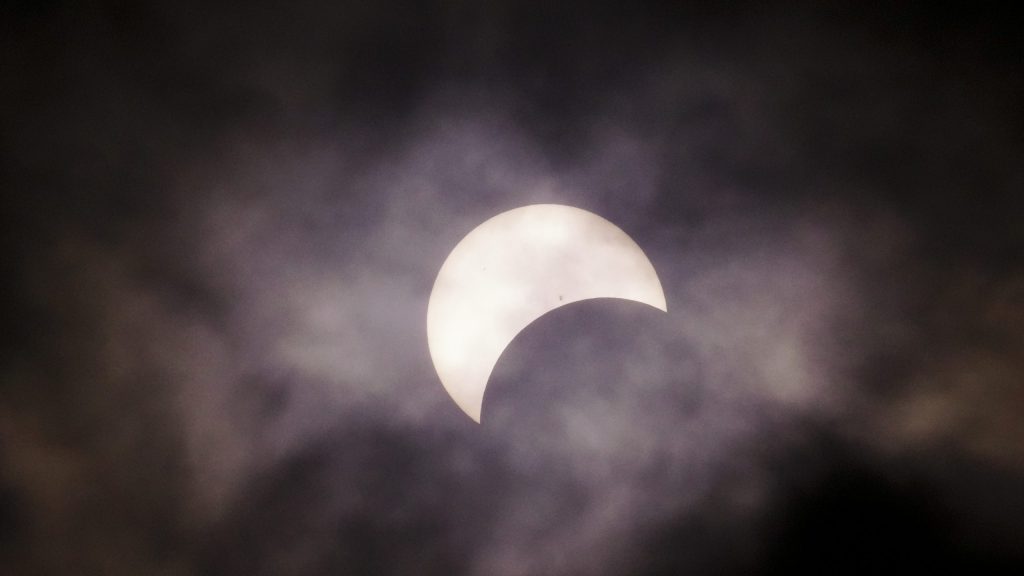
221	226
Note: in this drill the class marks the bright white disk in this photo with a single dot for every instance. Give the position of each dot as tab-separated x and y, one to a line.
513	269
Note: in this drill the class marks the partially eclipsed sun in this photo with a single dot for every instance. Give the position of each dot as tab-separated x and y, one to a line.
513	269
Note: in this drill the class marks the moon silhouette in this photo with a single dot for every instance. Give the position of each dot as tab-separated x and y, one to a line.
513	269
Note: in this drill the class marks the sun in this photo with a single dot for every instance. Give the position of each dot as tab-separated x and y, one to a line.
513	269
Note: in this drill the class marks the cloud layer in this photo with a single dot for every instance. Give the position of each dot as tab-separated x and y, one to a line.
225	224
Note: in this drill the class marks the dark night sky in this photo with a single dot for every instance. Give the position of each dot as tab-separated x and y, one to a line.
220	227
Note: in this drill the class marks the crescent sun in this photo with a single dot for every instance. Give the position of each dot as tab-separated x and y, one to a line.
513	269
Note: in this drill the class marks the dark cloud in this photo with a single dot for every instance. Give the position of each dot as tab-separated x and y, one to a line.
221	225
